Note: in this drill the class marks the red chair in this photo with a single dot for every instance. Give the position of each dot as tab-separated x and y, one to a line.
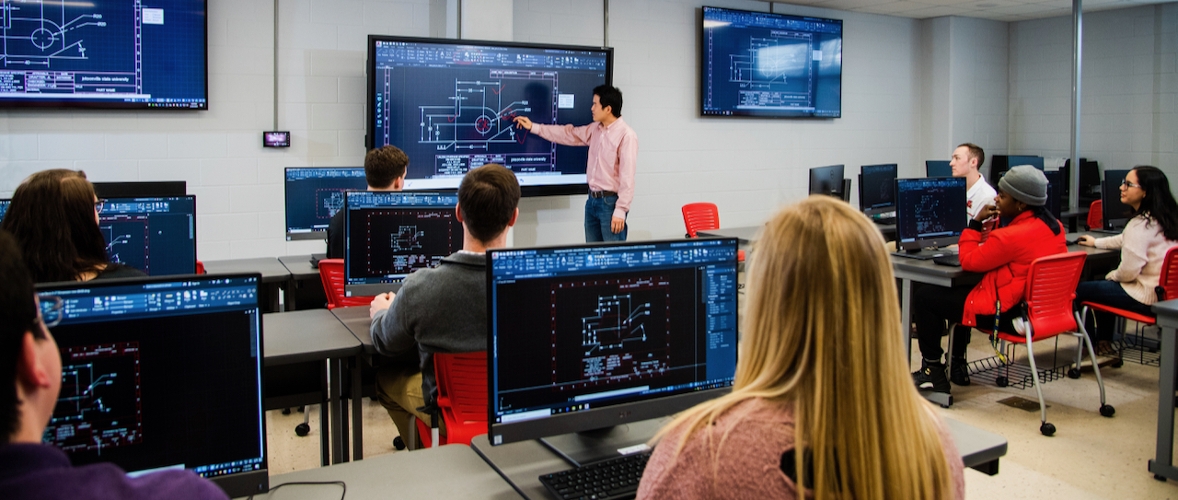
1095	215
1051	288
462	399
1167	289
702	217
331	272
200	268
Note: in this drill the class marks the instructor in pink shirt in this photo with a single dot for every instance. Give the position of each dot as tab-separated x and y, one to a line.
613	154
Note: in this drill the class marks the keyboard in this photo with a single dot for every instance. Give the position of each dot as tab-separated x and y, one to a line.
948	260
885	221
604	480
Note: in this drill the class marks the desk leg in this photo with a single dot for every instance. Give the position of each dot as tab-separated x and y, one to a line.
273	296
1162	467
357	411
906	313
324	427
288	295
337	417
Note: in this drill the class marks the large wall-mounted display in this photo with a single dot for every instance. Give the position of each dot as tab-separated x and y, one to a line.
108	54
770	65
450	103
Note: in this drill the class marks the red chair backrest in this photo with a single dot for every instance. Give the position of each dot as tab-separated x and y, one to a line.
331	273
1051	287
700	217
200	268
1095	215
462	394
1168	282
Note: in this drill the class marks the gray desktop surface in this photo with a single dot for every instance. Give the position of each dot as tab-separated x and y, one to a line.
747	235
299	267
1162	465
272	270
452	471
356	320
524	462
300	336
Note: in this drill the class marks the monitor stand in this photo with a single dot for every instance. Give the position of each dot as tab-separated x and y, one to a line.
586	447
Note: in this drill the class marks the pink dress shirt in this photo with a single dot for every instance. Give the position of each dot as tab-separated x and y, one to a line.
613	156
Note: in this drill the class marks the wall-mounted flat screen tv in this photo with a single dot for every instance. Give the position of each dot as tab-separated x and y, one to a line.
111	54
449	104
770	65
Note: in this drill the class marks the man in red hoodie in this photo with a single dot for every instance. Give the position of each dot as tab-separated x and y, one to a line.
1005	256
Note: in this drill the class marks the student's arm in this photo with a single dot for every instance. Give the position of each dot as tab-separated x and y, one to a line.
391	335
1134	244
1110	242
978	258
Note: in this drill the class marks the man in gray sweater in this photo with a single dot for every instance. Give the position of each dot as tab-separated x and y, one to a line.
443	309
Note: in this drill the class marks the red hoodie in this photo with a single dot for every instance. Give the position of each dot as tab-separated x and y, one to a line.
1006	258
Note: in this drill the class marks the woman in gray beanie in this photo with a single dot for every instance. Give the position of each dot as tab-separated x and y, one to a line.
1005	255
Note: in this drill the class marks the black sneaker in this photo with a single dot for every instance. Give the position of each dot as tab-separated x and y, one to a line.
959	371
931	377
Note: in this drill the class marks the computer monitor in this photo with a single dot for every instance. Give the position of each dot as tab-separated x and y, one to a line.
314	195
930	212
4	207
391	234
154	235
140	189
999	164
1114	213
587	337
1055	188
827	180
1034	161
877	188
162	373
937	168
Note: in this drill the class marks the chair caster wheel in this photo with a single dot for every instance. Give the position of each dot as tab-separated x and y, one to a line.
286	411
1118	363
1107	410
1047	428
1073	373
302	409
302	430
1001	382
1159	477
398	443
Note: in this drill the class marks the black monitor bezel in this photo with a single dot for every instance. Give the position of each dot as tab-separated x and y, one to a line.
302	235
838	191
595	418
919	243
928	168
1110	198
881	209
234	485
126	106
370	79
194	220
1055	191
366	289
140	189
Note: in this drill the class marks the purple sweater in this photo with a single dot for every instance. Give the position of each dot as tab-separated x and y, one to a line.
44	472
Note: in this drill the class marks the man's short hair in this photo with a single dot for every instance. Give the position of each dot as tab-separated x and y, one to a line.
487	198
975	151
18	314
609	96
384	165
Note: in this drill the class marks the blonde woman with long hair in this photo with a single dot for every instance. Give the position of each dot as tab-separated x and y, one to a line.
823	401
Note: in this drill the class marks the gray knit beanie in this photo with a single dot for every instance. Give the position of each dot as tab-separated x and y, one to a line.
1026	184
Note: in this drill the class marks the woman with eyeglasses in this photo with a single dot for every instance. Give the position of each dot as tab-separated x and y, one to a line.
1151	231
54	217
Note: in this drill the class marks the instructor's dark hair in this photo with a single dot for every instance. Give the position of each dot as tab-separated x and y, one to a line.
18	315
1158	203
609	96
487	198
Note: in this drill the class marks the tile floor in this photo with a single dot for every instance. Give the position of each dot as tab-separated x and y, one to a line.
1090	457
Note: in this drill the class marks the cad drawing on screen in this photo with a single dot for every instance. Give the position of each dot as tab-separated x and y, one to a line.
99	403
39	32
772	60
479	113
625	336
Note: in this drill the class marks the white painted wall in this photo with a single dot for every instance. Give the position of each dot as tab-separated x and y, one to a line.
1129	90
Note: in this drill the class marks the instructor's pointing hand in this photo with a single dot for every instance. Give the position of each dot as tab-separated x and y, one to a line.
523	122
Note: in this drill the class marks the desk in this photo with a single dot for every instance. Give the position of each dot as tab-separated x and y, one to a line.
274	275
1162	466
316	336
301	275
356	320
749	235
522	463
451	471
